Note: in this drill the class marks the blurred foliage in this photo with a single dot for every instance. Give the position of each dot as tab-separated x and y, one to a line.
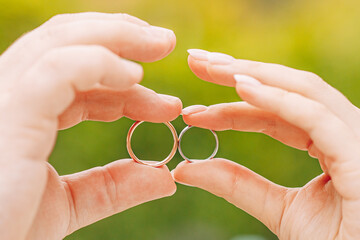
319	36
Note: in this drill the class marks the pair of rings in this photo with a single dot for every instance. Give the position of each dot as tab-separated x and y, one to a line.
176	146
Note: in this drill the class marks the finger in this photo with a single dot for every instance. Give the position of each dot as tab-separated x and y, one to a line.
104	104
52	82
330	135
103	191
66	18
220	68
128	40
245	189
241	116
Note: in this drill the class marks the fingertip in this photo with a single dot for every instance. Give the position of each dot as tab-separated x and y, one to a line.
185	168
199	68
171	44
172	40
169	188
161	175
246	91
174	106
194	109
136	73
202	117
158	43
171	99
179	173
190	112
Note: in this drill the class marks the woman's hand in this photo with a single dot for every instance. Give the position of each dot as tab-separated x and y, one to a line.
299	109
74	68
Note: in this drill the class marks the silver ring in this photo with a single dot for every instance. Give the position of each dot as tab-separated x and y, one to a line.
158	164
191	160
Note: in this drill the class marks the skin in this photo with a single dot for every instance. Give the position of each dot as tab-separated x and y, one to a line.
299	109
75	68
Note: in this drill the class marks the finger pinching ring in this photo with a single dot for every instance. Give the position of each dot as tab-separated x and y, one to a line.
191	160
177	145
157	164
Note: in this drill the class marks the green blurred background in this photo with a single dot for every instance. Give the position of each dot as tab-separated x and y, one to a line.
319	36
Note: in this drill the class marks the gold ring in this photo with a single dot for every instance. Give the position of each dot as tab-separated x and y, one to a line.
158	164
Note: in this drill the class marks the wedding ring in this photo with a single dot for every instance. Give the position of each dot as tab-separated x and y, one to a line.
156	164
191	160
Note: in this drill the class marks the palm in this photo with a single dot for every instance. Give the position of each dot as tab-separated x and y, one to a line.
311	212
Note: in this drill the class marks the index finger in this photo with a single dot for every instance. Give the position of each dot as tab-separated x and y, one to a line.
220	69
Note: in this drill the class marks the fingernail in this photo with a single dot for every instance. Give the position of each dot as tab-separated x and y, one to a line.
220	59
198	54
169	98
194	109
160	32
244	79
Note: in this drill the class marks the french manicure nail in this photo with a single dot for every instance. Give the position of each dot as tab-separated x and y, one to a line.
198	54
244	79
220	59
194	109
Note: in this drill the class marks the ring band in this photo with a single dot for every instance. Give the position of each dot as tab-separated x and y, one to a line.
158	164
190	160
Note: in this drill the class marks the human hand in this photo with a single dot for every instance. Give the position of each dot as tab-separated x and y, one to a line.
64	72
299	109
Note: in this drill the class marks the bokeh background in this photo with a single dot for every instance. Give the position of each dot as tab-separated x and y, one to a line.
320	36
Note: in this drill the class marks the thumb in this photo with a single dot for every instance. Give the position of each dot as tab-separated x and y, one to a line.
238	185
103	191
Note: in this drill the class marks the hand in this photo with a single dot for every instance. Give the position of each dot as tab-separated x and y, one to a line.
300	110
66	71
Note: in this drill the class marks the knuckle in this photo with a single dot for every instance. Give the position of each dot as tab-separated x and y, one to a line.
285	100
318	109
79	59
315	115
110	187
311	80
126	16
58	18
51	61
98	57
101	53
312	77
255	66
271	128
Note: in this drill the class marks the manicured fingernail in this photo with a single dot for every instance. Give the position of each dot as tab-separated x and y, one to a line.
198	54
220	59
194	109
244	79
160	32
